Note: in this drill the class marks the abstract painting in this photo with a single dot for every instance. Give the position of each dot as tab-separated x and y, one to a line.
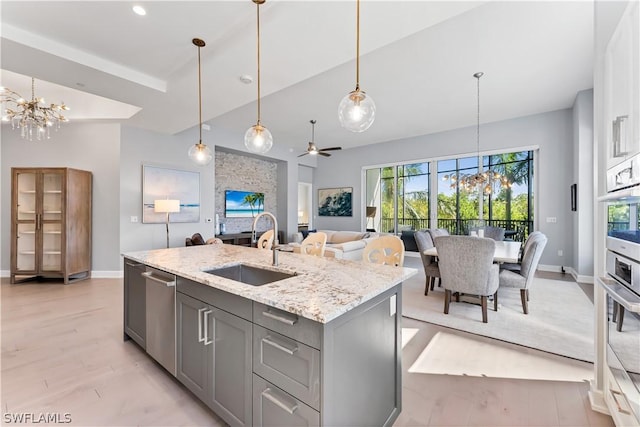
335	201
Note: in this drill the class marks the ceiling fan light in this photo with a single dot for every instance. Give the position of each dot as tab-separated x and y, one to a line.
258	139
356	111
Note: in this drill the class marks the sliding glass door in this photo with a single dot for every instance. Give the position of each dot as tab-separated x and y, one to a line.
397	197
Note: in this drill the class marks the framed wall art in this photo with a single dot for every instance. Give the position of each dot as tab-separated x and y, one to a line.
335	201
165	183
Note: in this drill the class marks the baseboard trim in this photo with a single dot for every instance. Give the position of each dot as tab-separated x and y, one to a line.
98	274
568	270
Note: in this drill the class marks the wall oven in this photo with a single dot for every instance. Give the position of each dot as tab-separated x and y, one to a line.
622	285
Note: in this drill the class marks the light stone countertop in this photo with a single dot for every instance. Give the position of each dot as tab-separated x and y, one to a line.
323	289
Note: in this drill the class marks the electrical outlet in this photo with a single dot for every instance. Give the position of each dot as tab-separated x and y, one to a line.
208	220
552	219
560	252
134	218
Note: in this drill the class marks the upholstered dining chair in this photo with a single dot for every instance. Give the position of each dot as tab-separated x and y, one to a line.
517	266
387	250
430	264
534	246
265	241
466	267
437	232
495	233
314	244
214	241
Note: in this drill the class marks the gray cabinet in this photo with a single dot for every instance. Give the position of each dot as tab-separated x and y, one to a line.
214	356
342	373
274	408
192	354
134	302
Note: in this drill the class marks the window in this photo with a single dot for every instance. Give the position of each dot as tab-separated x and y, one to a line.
400	196
507	207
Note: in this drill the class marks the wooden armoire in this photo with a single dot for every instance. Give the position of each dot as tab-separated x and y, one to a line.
50	224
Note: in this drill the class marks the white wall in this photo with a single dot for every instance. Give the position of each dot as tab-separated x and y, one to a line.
145	147
552	132
81	145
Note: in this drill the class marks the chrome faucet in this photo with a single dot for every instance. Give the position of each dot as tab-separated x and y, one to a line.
274	247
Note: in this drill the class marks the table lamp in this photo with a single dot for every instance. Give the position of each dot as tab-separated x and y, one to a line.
166	206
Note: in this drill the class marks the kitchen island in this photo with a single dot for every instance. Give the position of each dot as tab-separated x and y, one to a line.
319	346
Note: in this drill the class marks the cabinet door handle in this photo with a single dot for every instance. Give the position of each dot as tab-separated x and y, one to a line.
281	317
282	347
615	399
200	311
133	264
617	136
291	408
206	327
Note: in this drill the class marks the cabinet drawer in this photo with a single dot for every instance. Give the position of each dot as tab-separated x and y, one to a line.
274	407
230	303
288	324
292	366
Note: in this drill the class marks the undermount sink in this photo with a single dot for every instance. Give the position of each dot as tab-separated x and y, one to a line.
250	275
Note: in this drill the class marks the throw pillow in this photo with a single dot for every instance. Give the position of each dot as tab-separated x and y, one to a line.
197	239
305	233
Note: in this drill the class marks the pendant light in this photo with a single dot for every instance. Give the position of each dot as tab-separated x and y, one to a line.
258	139
357	110
199	153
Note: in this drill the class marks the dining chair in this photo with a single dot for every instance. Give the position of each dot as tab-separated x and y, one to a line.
314	244
437	232
517	266
430	263
495	233
466	267
265	241
387	250
214	241
534	246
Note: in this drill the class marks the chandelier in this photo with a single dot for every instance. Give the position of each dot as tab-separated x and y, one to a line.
484	180
32	117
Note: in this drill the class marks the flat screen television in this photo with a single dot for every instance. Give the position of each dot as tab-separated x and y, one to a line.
243	204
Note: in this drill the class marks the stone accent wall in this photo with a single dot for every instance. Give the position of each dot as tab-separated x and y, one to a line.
236	172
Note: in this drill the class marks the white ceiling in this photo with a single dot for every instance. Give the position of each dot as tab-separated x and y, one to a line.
417	62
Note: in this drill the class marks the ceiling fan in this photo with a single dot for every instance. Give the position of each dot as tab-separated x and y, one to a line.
312	149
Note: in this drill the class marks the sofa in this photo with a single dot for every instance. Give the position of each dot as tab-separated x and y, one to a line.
343	244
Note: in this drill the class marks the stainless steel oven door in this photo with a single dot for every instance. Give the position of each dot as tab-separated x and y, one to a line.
625	270
623	354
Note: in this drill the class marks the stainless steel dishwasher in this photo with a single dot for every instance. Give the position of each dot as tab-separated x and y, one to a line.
161	317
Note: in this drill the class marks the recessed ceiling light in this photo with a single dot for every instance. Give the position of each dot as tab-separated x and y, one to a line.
246	79
139	10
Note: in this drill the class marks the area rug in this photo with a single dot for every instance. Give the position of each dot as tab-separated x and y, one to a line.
560	319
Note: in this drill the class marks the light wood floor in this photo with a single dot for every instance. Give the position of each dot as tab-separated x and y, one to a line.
63	353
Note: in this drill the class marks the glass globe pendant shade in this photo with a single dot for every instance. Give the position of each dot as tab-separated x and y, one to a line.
258	139
200	154
356	111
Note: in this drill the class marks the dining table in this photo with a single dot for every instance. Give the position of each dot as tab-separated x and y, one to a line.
506	251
